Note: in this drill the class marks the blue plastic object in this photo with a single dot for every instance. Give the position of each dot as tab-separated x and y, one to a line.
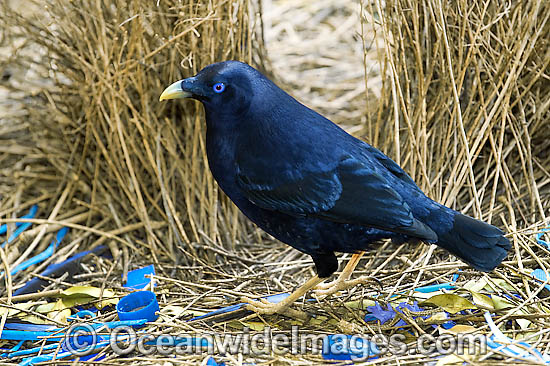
30	215
56	269
136	278
21	226
539	275
539	235
49	356
433	288
138	305
212	362
44	255
519	350
345	347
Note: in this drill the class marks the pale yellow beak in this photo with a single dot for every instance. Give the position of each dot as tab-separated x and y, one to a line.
174	91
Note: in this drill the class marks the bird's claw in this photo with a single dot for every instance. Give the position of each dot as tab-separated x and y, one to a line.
262	306
327	289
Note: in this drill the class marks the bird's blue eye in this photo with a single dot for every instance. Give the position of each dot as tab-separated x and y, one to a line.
219	87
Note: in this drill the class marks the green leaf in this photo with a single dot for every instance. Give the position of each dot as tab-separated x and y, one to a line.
501	302
450	302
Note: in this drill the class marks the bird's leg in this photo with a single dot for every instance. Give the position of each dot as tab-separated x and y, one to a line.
265	307
342	282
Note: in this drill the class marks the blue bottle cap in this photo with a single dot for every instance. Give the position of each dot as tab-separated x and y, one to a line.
138	305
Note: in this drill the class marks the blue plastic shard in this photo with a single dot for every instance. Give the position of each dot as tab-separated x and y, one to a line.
212	362
136	278
539	275
344	347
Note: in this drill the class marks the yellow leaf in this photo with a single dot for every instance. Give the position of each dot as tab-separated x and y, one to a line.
88	291
450	302
18	311
458	329
60	315
359	304
501	302
500	283
319	320
79	295
257	326
482	301
45	308
476	285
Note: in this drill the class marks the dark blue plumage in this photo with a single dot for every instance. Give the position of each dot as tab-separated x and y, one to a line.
311	185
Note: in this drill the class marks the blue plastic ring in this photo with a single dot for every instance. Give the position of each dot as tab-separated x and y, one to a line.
138	305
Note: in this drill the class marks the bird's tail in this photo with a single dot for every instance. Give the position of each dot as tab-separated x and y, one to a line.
477	243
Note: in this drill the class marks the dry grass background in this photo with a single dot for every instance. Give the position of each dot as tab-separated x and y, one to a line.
457	93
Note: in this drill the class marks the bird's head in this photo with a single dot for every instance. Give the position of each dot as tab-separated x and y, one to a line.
224	87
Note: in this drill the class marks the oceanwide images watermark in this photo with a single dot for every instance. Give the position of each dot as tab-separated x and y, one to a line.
83	339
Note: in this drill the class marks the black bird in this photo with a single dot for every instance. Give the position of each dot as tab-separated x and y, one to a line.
307	182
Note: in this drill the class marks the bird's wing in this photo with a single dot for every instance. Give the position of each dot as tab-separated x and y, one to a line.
391	165
351	192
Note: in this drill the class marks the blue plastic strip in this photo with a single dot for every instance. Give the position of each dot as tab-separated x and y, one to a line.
30	351
539	238
510	348
60	355
30	327
441	286
35	284
14	349
56	333
30	215
44	255
25	335
433	288
24	226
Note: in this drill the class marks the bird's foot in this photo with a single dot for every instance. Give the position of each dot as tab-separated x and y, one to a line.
264	307
327	289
